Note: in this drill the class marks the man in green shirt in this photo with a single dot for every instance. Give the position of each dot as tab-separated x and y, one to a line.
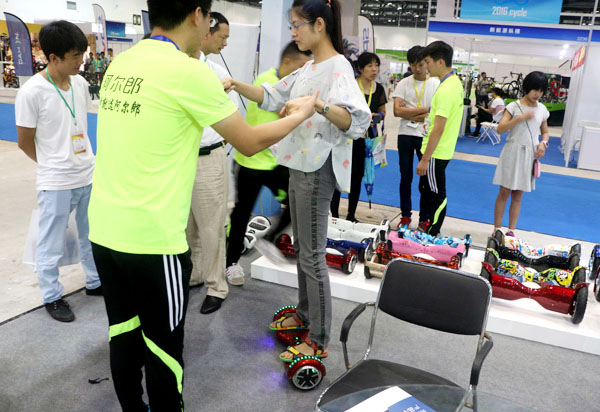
150	122
261	169
438	145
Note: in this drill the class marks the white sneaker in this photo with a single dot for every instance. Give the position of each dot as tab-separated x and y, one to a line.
235	275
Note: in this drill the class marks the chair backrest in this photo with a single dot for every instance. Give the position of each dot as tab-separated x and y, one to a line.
435	297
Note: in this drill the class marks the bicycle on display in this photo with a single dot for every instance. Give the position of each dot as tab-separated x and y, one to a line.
514	89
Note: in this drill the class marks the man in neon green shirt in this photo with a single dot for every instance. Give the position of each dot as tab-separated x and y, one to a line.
438	145
261	169
150	121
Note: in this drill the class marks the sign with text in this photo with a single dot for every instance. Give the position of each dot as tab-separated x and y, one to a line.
20	44
521	11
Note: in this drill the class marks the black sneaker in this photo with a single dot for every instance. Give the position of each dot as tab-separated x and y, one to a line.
94	292
59	310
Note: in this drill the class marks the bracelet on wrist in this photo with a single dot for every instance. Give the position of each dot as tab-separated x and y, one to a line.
545	143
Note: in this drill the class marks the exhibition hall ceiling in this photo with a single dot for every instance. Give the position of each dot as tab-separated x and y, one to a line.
413	13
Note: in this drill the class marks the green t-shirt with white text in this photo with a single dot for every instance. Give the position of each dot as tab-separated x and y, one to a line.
150	121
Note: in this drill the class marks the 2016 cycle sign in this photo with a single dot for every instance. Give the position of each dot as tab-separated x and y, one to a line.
530	11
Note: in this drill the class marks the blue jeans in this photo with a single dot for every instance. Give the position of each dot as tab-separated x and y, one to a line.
55	208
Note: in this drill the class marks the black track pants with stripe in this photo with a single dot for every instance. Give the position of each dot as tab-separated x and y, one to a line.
433	195
146	300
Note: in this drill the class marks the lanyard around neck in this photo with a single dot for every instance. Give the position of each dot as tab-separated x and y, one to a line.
72	111
165	38
420	96
446	76
370	91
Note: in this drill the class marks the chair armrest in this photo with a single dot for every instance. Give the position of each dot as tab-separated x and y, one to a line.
348	324
479	358
350	320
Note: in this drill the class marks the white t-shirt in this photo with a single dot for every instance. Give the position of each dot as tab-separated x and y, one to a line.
496	103
64	153
406	90
209	135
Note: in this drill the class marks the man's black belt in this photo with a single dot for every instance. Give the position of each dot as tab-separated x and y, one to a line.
207	149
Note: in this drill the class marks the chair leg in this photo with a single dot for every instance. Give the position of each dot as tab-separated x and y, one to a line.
463	402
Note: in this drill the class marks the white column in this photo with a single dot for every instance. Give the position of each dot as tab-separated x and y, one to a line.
274	32
350	12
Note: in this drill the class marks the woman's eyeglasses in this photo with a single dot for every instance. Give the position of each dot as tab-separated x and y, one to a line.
293	26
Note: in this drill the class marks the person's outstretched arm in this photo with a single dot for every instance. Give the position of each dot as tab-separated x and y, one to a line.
250	140
250	92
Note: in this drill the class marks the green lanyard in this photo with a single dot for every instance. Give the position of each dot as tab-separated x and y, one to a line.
72	111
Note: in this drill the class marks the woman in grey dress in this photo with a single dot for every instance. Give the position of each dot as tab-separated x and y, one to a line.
526	119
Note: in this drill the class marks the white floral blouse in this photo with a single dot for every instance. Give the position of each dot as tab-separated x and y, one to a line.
308	146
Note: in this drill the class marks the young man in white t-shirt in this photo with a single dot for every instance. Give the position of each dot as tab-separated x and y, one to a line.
412	98
51	116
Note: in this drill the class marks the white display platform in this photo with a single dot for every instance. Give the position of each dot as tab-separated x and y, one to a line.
523	318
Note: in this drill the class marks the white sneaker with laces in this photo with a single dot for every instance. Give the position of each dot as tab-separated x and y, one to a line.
235	275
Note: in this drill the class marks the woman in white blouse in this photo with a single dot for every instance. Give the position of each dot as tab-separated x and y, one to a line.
318	154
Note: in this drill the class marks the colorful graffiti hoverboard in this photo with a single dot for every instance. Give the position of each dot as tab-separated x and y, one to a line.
376	262
305	372
551	256
461	245
443	253
345	261
556	290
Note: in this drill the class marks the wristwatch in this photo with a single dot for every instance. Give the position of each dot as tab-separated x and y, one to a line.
325	109
545	143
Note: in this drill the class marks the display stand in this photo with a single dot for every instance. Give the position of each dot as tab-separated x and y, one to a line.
523	318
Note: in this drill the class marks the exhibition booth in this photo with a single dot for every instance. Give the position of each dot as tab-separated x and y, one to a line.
547	293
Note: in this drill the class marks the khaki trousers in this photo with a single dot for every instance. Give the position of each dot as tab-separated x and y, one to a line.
206	224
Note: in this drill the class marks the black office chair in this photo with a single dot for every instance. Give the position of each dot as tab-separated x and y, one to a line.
427	295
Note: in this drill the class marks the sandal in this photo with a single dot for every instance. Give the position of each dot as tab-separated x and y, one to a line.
300	326
319	353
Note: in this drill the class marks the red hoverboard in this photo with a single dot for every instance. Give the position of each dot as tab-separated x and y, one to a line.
305	372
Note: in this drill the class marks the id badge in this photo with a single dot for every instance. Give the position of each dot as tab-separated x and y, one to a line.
79	145
78	140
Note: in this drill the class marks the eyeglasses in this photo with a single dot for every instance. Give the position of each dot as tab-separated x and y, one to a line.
293	27
213	22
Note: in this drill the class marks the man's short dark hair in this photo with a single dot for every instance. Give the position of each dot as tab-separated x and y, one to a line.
170	14
439	50
482	73
61	37
292	51
535	81
220	20
367	58
413	55
109	49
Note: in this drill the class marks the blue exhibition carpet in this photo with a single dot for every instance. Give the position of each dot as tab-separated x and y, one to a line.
561	205
469	145
8	131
